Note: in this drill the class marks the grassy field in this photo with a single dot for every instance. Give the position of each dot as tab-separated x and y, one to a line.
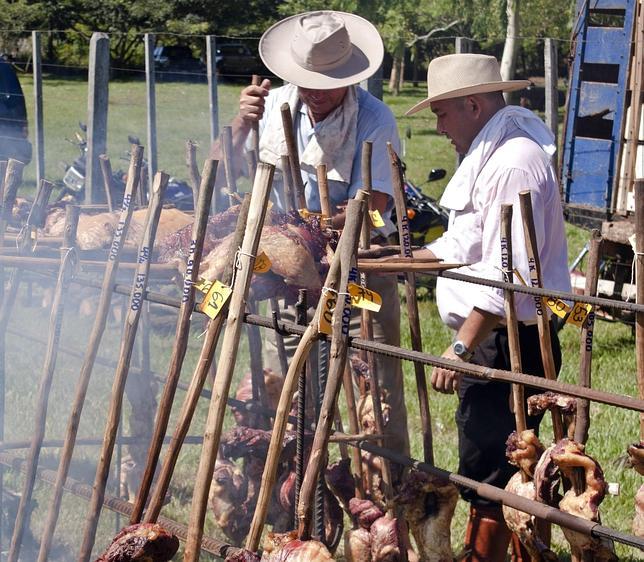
182	114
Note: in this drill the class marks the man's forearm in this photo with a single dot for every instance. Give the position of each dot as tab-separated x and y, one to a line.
476	327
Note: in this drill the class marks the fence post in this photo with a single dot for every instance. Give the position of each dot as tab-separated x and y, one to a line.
150	85
552	94
211	63
39	135
373	84
97	98
462	45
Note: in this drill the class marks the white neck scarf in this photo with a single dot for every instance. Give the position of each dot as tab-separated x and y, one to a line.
333	142
486	142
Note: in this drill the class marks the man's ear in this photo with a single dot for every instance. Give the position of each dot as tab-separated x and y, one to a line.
473	106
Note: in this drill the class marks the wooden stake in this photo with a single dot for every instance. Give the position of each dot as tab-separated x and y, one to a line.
412	304
125	354
293	155
510	316
225	368
543	322
108	185
67	264
301	354
182	333
229	159
287	178
339	341
366	328
100	321
193	170
639	284
582	424
323	188
193	392
354	427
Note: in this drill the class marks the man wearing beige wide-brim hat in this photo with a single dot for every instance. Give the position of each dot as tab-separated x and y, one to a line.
505	149
322	56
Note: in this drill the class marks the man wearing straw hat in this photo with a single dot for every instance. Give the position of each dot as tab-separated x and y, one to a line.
506	149
322	56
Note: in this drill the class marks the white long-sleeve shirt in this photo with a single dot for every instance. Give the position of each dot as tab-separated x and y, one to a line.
473	234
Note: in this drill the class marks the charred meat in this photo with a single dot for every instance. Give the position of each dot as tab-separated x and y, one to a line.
143	542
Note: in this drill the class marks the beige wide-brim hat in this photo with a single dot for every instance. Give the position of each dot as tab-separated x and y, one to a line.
322	50
464	74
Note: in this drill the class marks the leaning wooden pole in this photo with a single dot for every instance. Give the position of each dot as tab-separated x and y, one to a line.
91	351
412	304
366	328
338	359
182	333
543	320
518	400
582	424
125	354
197	382
245	263
68	262
639	284
193	170
310	336
294	159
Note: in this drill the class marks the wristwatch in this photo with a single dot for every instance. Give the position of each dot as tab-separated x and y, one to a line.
461	351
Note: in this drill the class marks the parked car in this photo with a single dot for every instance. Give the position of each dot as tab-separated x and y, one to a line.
177	61
236	60
13	116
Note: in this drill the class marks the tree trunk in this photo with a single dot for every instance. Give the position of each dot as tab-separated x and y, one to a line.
394	77
401	75
511	47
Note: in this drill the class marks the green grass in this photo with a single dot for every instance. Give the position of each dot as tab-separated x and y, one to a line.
182	114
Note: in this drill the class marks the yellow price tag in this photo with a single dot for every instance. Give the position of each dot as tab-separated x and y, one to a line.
216	296
557	306
579	313
306	214
361	297
329	301
376	219
262	263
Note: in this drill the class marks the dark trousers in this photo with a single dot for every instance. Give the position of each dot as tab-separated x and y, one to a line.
483	417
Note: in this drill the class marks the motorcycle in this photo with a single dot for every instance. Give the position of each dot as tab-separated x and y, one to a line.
427	219
178	192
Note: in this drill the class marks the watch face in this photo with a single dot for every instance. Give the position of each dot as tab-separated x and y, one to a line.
459	348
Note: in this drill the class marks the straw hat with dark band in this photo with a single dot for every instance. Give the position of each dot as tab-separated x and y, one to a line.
453	76
322	50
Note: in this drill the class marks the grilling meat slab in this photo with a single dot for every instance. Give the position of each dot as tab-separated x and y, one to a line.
142	542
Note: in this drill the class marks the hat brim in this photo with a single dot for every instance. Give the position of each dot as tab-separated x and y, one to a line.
504	86
366	58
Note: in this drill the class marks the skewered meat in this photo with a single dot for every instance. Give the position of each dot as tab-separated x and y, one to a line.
539	403
547	478
523	450
228	493
242	555
357	545
286	547
384	540
295	247
523	524
341	483
428	504
96	232
176	245
273	383
636	456
638	522
583	499
145	542
566	405
364	512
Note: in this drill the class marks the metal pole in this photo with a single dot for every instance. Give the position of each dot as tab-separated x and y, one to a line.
150	90
39	136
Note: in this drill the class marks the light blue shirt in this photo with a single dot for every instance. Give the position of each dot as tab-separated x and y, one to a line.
376	123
